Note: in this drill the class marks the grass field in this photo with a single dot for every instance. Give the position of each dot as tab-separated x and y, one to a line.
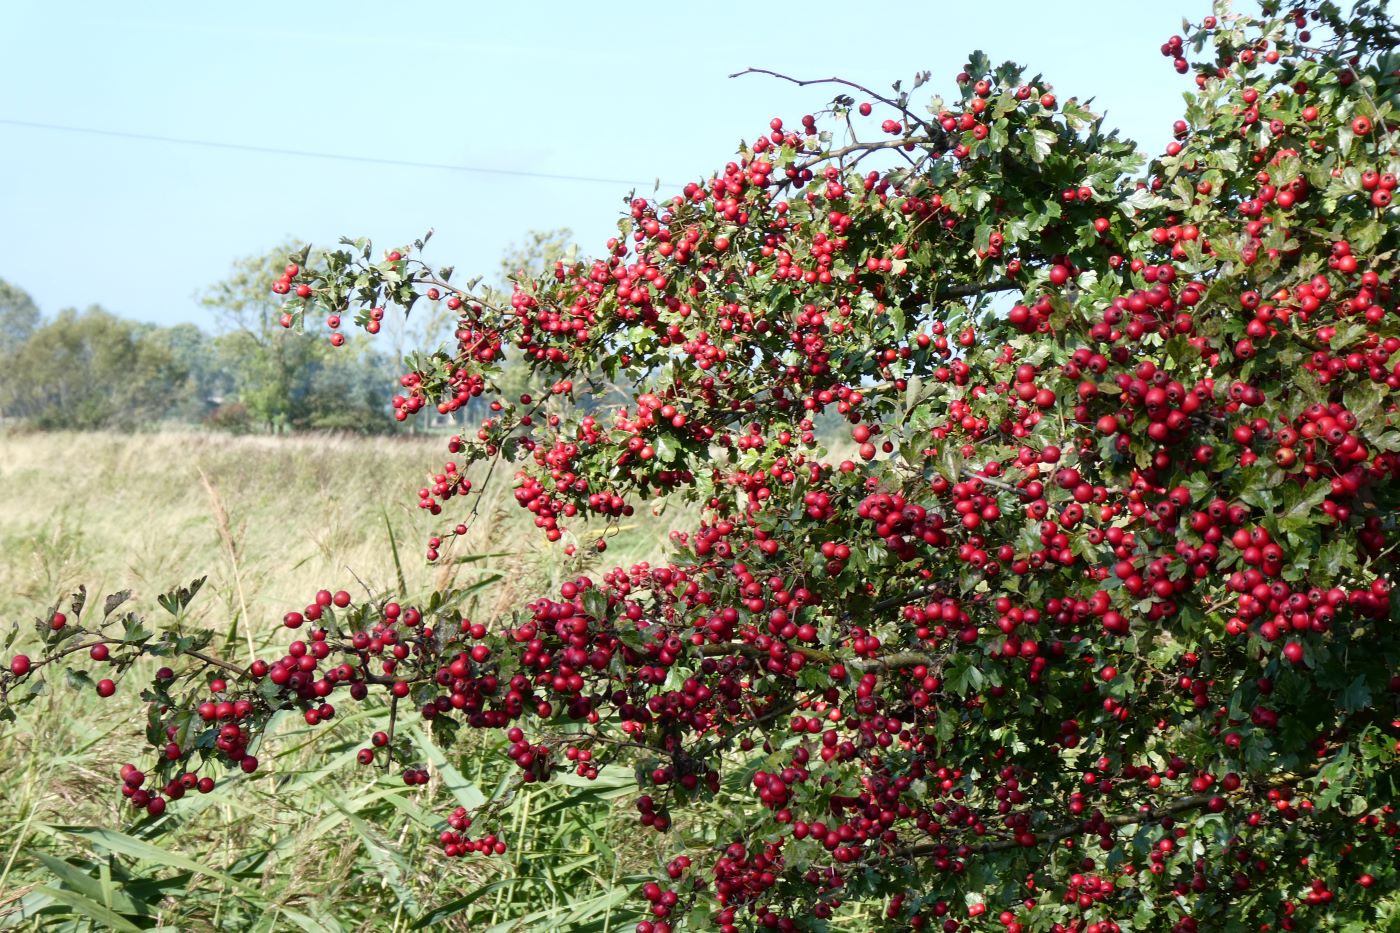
318	842
273	518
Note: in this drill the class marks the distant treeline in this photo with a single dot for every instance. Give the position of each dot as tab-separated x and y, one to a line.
92	369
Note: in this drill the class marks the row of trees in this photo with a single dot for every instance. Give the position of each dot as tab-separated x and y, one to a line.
92	369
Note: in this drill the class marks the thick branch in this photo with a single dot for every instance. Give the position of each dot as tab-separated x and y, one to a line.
777	712
1082	827
971	289
217	662
995	483
895	661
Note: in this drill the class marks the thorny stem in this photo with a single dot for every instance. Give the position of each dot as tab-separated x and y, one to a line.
1079	827
842	81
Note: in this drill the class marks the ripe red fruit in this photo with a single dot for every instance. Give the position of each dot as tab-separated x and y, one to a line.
19	665
106	687
1058	600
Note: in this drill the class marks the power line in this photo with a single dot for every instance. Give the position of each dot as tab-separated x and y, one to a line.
302	153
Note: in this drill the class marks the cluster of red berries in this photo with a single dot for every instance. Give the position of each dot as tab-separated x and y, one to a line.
154	802
457	845
904	526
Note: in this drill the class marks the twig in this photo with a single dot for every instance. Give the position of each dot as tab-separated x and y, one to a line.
842	81
1081	827
393	720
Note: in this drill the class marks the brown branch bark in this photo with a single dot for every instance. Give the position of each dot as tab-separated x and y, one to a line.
1083	827
88	645
894	661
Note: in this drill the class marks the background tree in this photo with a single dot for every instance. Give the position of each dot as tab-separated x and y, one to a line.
526	261
285	378
93	370
19	315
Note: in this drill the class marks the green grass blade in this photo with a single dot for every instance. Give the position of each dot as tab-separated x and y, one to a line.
90	909
310	925
394	549
474	558
79	881
439	914
122	844
463	791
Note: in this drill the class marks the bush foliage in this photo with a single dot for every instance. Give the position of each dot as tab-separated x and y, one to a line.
1093	631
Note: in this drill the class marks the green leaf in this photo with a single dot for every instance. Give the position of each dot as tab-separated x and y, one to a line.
1139	200
1042	142
1305	511
1357	695
177	599
110	604
1388	440
962	677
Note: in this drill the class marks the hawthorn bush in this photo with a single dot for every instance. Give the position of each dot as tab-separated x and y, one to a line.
1093	631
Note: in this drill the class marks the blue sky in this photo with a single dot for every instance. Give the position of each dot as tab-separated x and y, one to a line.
618	91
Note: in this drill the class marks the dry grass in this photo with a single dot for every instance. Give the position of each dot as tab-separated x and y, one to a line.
147	511
270	521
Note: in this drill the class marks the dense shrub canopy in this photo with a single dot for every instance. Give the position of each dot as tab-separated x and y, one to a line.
1092	630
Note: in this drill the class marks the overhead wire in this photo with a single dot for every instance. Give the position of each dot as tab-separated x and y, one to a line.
310	154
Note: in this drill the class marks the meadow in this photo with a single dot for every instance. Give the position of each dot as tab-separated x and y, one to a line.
321	842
